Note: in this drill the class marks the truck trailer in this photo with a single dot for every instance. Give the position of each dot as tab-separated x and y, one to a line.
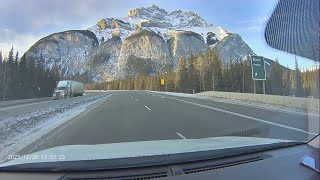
68	88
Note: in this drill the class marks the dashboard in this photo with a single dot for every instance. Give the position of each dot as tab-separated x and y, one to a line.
281	163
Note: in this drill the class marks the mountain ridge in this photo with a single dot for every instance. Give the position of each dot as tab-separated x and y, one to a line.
104	50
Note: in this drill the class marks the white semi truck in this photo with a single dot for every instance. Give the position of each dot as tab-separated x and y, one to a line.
68	88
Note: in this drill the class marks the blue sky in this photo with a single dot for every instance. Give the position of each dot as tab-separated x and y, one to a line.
22	24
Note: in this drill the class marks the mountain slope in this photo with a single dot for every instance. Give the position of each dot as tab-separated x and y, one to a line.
148	36
68	49
102	63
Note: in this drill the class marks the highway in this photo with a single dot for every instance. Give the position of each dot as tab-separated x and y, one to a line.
8	109
127	116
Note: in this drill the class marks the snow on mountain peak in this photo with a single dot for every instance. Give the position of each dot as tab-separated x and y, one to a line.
160	21
110	48
174	19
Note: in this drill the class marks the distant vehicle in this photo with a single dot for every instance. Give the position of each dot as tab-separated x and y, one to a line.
68	88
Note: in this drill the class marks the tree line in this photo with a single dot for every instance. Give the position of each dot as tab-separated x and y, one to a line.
207	72
25	78
28	78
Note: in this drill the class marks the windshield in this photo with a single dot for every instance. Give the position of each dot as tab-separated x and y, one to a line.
138	71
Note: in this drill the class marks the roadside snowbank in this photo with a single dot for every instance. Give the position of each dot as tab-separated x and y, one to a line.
20	131
271	107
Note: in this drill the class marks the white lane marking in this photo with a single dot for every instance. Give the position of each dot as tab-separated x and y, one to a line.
55	133
137	100
49	137
147	108
163	97
229	101
180	135
29	104
244	116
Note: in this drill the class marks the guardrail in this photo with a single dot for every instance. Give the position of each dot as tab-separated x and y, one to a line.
23	101
298	102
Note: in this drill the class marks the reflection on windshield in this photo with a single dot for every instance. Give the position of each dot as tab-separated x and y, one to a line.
153	73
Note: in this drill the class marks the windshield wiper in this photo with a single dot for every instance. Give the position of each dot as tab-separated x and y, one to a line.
143	161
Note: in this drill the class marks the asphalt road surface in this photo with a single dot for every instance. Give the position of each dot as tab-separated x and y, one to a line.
142	115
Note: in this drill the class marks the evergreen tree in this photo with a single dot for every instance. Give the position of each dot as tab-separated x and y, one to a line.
16	58
47	84
247	74
200	71
208	70
24	90
8	77
217	73
15	78
55	74
11	56
287	82
40	77
193	80
31	82
275	79
230	76
297	80
182	76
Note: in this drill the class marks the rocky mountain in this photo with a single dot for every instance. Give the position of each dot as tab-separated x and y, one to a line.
68	49
102	63
149	40
232	47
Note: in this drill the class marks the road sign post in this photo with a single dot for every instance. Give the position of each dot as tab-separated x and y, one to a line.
162	82
258	71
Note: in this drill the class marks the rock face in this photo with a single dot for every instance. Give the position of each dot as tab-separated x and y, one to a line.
68	49
148	41
185	43
233	47
148	46
102	63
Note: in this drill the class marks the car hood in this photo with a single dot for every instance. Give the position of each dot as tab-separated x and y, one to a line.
129	154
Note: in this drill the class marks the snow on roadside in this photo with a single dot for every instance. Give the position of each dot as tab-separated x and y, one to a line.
261	105
175	94
18	132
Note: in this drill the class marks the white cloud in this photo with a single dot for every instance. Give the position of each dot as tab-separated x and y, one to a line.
20	43
23	23
254	21
256	24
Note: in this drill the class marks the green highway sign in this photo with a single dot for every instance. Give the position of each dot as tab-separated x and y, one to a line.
258	68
